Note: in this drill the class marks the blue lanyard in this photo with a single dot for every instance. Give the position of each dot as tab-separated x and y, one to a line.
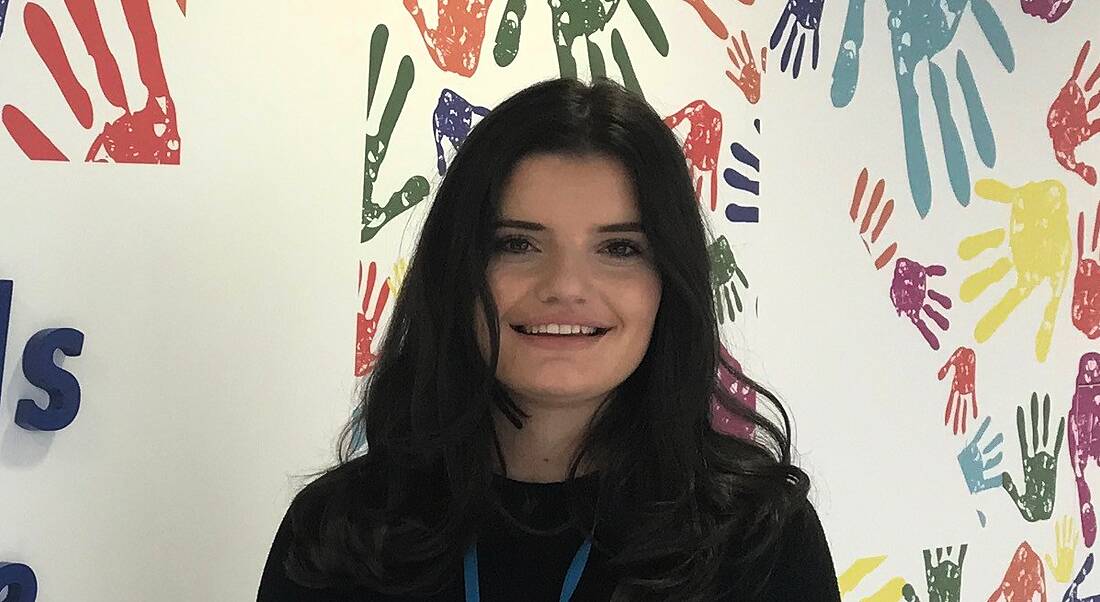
572	576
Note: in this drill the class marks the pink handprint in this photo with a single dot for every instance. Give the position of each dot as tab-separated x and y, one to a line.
1068	119
702	144
455	43
721	419
1084	437
909	291
962	387
1085	308
367	327
148	135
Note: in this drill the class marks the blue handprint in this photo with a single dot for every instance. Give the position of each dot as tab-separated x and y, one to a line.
806	15
3	11
453	120
974	465
920	29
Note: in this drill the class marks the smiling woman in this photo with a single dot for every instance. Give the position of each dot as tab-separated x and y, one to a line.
539	420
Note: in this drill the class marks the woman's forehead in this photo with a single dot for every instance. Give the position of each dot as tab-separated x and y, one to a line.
569	188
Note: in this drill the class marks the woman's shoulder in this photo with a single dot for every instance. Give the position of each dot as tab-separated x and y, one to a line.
803	566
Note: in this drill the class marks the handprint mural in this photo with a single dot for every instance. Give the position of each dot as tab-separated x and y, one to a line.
142	131
919	31
574	19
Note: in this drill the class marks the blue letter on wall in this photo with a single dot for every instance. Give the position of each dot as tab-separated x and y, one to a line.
61	386
22	586
5	317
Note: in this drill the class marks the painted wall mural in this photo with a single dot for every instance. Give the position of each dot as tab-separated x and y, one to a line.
906	233
1030	251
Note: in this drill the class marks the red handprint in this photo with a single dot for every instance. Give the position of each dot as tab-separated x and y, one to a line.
962	387
1068	121
748	77
1085	308
148	135
455	43
702	144
367	327
1024	578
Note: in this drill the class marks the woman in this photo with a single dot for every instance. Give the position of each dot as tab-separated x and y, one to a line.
539	420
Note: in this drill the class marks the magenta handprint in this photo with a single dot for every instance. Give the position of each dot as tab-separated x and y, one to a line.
1047	10
909	292
1084	437
721	419
1068	118
1085	308
962	387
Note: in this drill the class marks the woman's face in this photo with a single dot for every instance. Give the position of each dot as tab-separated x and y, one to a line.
569	251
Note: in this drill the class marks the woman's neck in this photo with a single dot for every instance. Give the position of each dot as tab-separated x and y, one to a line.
543	449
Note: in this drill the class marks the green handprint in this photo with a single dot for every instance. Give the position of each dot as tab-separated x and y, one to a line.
571	19
945	578
1040	465
723	267
416	188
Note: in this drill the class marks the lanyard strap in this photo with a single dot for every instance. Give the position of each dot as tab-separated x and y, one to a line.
572	576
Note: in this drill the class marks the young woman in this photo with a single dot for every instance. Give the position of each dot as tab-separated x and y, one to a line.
538	424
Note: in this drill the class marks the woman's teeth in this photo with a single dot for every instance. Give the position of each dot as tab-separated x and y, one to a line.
560	330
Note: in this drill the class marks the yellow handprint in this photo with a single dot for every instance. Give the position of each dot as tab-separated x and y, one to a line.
1065	531
1039	246
850	578
398	276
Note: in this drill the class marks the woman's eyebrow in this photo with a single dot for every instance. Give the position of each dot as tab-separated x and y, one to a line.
525	225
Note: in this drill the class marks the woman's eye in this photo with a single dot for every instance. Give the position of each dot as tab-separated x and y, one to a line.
623	248
512	245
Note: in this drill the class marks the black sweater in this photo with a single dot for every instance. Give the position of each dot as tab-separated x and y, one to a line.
518	566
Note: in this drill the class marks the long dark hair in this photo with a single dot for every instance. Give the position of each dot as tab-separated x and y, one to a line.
691	506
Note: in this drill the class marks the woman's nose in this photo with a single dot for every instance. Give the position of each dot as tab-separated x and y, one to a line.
565	277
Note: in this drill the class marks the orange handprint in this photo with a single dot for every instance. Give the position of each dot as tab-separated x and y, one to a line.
747	78
865	223
1039	250
962	387
367	327
1085	309
702	144
148	135
712	21
455	43
1068	120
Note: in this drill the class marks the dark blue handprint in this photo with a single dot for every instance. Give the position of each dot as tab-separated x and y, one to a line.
805	19
919	30
453	119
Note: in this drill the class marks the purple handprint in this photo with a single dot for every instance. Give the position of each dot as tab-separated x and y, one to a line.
909	291
806	15
1047	10
1084	436
453	119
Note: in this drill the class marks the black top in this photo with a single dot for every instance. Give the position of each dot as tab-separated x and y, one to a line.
516	565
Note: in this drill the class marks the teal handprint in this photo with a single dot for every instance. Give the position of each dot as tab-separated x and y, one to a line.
416	188
572	19
723	269
919	30
1040	463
